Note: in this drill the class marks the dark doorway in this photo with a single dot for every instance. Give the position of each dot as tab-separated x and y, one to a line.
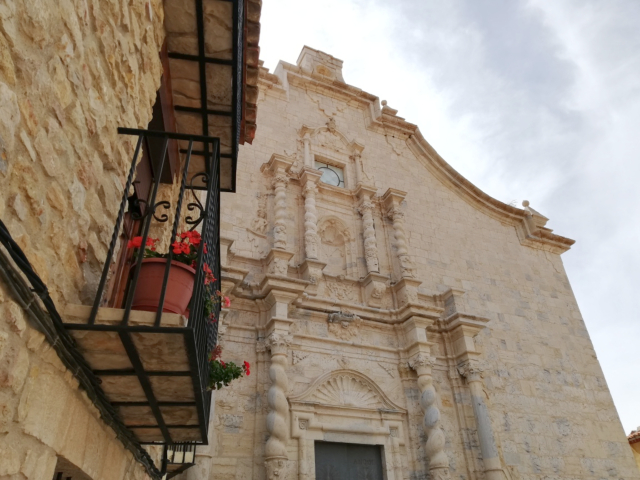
348	461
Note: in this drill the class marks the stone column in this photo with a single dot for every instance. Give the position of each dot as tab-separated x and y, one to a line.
366	208
392	199
275	450
278	258
276	342
280	181
434	448
309	180
415	332
470	370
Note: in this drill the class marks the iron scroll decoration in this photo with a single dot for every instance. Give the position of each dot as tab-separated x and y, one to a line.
197	204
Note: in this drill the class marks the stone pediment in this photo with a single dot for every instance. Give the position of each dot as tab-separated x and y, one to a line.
346	389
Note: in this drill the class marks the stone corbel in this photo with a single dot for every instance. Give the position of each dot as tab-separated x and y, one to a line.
392	200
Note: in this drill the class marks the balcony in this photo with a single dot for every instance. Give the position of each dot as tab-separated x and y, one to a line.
151	360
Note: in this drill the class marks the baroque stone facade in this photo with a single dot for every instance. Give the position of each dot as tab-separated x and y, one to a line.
406	309
71	72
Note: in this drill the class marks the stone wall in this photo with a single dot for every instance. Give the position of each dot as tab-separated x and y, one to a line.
71	72
444	253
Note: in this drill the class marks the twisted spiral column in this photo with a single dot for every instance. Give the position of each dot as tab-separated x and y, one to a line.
280	181
310	220
397	217
275	448
434	448
369	234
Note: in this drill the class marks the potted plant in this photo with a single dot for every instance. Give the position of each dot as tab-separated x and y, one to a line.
181	275
222	373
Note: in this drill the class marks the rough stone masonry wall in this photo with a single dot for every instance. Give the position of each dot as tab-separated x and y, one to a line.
549	404
71	72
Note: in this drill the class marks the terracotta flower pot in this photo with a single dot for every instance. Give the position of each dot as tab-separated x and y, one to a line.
179	286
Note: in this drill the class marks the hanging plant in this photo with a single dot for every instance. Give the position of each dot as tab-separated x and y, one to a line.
222	373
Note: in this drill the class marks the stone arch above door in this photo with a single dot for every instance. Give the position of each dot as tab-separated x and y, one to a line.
347	389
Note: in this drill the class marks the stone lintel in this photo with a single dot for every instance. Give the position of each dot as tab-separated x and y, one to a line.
393	197
276	163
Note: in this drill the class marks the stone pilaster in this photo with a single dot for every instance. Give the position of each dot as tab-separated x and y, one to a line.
415	330
462	328
392	199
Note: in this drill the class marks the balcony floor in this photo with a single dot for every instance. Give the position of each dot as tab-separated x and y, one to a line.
150	374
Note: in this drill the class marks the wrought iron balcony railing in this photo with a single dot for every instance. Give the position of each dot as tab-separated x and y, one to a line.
152	360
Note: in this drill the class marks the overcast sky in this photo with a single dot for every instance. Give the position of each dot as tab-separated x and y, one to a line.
536	100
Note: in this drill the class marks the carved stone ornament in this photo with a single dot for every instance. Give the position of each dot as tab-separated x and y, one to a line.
279	266
378	289
259	223
344	325
471	370
278	341
298	356
275	468
303	424
341	291
388	369
421	360
346	388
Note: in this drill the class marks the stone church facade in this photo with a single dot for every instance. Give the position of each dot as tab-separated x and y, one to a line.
384	300
388	307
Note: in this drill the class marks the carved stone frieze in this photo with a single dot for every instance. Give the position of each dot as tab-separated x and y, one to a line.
341	291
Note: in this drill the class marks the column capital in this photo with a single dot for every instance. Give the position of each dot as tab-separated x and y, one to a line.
471	370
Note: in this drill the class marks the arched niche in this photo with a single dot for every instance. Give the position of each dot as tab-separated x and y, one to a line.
337	247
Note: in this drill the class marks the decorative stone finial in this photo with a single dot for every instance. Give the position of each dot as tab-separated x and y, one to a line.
525	203
384	103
